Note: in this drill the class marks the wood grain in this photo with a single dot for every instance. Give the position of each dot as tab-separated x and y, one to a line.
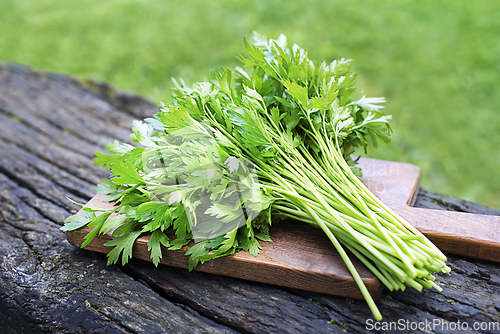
297	258
306	259
394	183
50	127
458	233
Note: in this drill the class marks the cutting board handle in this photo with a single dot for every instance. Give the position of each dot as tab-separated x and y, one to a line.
459	233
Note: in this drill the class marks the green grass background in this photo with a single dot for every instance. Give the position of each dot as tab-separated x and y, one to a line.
437	62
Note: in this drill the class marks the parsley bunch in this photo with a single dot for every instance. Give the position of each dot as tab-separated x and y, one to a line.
233	154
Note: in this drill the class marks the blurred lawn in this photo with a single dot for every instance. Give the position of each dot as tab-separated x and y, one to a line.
437	62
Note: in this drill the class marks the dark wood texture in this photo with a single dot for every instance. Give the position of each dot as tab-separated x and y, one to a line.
50	127
298	257
305	259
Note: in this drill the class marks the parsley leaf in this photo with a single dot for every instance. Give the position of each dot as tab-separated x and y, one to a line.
121	244
245	149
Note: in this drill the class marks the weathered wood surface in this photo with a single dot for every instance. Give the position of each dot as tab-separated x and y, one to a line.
305	258
50	127
297	258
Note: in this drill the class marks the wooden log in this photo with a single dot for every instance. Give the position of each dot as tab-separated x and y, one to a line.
50	127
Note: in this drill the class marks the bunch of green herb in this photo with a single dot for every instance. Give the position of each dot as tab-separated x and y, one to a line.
233	154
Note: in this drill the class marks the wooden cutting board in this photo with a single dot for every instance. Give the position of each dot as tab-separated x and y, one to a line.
302	257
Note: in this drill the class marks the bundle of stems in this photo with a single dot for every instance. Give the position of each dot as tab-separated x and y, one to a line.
295	123
320	188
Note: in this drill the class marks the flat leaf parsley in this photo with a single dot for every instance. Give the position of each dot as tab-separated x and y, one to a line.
234	154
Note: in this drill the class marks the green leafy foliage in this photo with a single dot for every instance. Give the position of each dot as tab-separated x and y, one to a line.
157	240
122	244
246	148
